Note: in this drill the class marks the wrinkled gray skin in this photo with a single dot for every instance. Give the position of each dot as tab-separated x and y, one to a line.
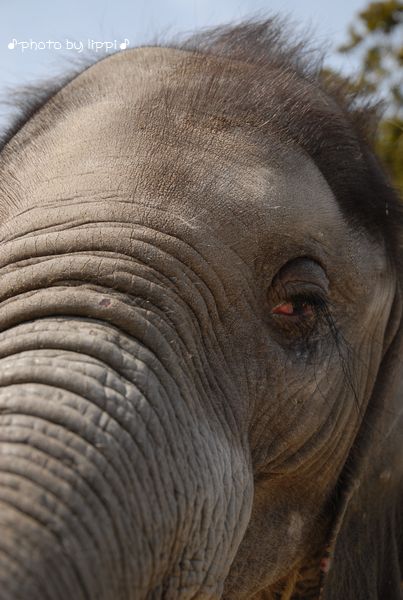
160	435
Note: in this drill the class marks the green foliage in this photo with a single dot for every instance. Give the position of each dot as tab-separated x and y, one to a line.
377	37
389	146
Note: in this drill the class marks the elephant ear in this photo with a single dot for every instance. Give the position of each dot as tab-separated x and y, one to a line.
364	560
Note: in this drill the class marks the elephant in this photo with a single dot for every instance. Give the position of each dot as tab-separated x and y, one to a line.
201	331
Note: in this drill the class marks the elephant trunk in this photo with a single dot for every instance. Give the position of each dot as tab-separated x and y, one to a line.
112	482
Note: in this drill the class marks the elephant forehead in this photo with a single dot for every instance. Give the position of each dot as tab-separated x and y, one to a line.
125	136
108	150
129	125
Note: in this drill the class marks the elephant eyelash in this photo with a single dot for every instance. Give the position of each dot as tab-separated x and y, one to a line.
320	322
318	302
325	324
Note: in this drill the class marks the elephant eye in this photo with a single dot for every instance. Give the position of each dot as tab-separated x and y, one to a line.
301	306
302	315
298	300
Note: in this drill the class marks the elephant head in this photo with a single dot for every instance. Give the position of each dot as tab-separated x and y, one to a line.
201	333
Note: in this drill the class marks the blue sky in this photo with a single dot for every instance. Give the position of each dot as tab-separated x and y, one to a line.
141	21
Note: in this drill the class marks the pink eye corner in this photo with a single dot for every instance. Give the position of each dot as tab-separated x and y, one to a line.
291	309
285	308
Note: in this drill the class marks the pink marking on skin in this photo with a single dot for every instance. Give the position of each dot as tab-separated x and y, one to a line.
325	564
105	302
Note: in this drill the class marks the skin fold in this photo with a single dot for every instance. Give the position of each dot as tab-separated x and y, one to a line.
167	430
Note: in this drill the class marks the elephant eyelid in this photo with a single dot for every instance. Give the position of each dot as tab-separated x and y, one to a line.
308	318
312	299
301	306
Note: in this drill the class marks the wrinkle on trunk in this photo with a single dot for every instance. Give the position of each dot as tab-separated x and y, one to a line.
112	481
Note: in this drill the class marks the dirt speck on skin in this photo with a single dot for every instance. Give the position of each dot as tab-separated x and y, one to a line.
105	302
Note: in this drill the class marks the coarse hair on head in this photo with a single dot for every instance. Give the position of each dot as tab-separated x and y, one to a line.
285	90
260	75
